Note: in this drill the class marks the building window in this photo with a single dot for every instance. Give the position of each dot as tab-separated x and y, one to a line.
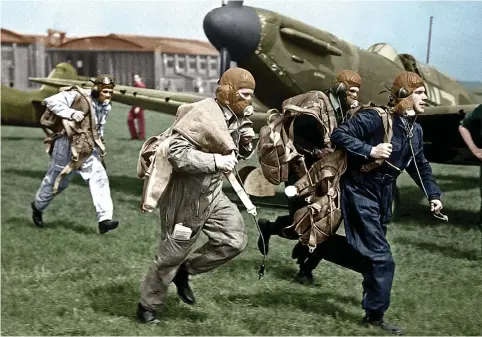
214	66
192	64
170	64
204	66
181	64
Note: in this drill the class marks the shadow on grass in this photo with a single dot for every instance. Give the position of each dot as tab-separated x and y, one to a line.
288	274
51	225
411	208
284	272
325	303
17	138
274	269
121	299
469	254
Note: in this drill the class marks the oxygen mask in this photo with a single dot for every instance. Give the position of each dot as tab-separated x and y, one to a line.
248	111
354	104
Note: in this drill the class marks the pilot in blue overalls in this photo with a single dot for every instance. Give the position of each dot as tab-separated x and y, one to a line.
367	196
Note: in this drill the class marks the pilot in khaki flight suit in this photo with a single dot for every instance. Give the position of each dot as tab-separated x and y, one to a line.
206	140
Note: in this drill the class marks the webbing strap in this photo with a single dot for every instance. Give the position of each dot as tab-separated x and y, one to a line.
387	120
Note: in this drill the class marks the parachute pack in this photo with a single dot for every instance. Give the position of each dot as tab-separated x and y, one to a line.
321	218
275	147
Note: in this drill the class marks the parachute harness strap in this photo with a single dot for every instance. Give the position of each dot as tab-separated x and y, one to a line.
253	212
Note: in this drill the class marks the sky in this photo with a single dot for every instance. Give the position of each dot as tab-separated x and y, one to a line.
456	44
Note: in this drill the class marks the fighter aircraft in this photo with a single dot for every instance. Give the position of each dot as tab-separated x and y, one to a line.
288	57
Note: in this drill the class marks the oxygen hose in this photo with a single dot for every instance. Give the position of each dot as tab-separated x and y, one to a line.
438	215
250	208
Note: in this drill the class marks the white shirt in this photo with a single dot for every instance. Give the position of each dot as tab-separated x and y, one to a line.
60	104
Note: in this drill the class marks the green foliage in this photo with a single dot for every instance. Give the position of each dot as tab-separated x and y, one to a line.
67	279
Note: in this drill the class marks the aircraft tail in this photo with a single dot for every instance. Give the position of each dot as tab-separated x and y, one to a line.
62	70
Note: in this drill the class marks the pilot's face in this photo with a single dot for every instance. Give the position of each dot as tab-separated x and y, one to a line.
244	101
352	97
105	95
419	98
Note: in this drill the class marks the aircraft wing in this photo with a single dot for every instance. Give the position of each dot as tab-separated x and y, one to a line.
448	110
152	99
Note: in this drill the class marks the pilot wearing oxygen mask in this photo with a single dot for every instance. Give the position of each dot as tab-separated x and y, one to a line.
206	140
368	183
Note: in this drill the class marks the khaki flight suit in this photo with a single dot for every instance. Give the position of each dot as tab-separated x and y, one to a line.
194	197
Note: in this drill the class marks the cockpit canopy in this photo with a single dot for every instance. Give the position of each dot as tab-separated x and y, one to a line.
387	51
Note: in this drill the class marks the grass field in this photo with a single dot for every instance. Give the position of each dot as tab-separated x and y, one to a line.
67	279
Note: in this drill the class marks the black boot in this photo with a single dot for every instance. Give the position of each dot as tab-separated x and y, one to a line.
300	252
184	291
380	323
264	226
304	276
146	316
107	225
36	216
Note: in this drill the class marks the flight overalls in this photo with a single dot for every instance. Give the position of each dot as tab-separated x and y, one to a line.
367	196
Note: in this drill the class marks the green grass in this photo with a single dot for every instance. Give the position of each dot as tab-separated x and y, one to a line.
68	280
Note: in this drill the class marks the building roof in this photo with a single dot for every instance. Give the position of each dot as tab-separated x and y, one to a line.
53	38
101	43
141	43
123	42
9	36
170	45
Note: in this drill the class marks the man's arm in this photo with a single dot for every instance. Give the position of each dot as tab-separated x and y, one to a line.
184	157
471	119
429	183
245	150
350	134
60	104
246	133
467	137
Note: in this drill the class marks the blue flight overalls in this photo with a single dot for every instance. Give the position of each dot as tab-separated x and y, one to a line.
367	196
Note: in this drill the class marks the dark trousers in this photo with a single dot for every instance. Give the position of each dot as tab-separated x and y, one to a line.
276	227
366	208
336	250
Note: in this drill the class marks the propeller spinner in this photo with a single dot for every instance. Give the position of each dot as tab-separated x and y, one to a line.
234	29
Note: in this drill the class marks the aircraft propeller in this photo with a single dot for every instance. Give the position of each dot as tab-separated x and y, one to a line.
234	29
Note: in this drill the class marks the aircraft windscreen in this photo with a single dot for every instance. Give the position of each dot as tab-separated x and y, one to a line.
387	51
